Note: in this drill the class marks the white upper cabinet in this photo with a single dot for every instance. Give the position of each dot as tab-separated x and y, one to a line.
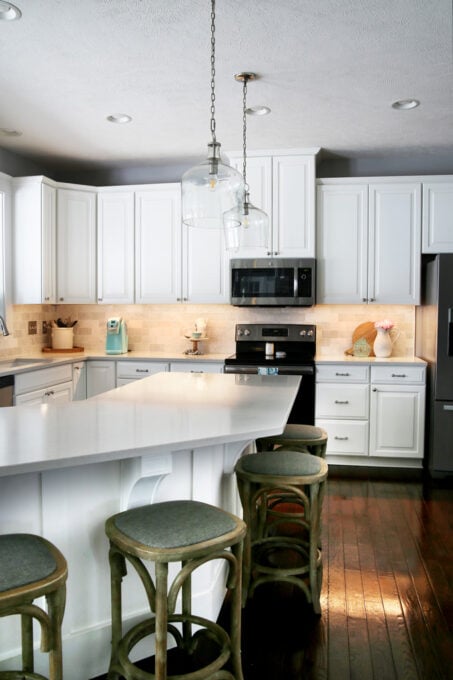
175	263
368	242
283	185
34	241
158	244
438	215
115	247
76	246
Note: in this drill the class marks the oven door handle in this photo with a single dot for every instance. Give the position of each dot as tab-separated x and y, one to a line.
242	370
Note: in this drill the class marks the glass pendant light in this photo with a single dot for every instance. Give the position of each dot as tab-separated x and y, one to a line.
212	187
245	226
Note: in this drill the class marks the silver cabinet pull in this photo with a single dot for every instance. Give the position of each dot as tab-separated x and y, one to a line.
142	370
341	439
399	375
338	401
343	374
49	394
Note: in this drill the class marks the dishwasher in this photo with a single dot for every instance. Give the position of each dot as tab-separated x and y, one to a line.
6	390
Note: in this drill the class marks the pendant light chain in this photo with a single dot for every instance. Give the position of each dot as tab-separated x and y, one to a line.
244	134
213	70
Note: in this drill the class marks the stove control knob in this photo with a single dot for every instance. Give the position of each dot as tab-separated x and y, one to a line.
246	332
310	333
303	333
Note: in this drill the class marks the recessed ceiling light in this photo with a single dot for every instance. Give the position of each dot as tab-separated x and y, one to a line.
119	118
8	132
405	104
258	110
9	12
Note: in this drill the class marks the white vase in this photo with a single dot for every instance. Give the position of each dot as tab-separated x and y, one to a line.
383	344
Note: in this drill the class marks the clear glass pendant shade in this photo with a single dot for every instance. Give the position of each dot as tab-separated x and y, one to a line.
246	227
210	189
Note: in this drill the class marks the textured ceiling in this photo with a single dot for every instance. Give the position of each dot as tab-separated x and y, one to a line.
329	69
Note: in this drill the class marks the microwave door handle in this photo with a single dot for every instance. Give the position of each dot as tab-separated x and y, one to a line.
450	333
296	286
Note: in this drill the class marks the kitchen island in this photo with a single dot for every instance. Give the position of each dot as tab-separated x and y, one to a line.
65	468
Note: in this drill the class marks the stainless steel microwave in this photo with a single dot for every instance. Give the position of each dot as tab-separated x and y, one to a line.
273	282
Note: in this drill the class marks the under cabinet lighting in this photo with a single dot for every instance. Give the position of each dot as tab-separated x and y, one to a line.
405	104
119	118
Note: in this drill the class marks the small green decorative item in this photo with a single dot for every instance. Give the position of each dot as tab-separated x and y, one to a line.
361	348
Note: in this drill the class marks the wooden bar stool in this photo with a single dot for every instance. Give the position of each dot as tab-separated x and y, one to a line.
273	555
30	567
192	533
302	437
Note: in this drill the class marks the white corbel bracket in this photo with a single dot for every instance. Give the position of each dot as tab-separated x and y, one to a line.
140	478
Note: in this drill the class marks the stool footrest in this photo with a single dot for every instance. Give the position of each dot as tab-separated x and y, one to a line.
148	627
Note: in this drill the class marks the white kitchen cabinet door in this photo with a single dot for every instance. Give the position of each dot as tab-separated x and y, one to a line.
115	247
342	244
101	377
397	421
54	394
284	187
259	179
369	242
76	246
293	206
205	266
79	381
394	261
34	241
158	258
437	230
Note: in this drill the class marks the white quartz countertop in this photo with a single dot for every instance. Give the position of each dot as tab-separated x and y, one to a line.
37	360
165	412
348	359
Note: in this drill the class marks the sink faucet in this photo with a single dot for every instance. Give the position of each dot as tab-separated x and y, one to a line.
3	327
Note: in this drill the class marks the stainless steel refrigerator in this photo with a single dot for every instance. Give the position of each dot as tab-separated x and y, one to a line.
434	343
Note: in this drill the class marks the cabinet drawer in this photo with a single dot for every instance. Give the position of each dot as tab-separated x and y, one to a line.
348	437
35	380
139	369
341	373
398	374
196	367
342	401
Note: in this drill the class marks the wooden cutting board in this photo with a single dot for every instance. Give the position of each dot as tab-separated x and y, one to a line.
366	331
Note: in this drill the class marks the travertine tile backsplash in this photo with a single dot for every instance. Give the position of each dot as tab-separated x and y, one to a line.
162	327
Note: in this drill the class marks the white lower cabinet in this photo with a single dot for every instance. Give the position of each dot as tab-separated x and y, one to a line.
129	371
101	377
53	384
196	367
372	413
79	381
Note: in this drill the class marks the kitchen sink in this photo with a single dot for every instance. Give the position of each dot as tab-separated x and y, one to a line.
19	363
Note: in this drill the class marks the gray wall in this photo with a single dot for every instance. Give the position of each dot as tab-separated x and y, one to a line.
436	163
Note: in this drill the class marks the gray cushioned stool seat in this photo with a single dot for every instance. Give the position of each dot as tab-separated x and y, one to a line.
302	437
32	567
192	533
265	481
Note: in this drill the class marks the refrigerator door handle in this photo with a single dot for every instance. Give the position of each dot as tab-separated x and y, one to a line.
450	333
448	407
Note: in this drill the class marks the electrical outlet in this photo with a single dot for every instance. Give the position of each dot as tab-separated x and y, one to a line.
45	327
32	327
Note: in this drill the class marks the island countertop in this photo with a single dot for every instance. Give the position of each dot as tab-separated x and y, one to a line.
167	411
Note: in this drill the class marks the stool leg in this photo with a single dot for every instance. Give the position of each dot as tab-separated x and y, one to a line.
314	542
117	571
186	609
56	604
27	643
245	494
161	620
236	607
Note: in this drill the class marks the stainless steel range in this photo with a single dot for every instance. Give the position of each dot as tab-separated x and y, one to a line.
279	349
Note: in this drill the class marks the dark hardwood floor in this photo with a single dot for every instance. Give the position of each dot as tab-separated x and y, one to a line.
387	598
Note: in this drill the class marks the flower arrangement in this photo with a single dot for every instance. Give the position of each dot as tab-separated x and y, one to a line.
385	324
